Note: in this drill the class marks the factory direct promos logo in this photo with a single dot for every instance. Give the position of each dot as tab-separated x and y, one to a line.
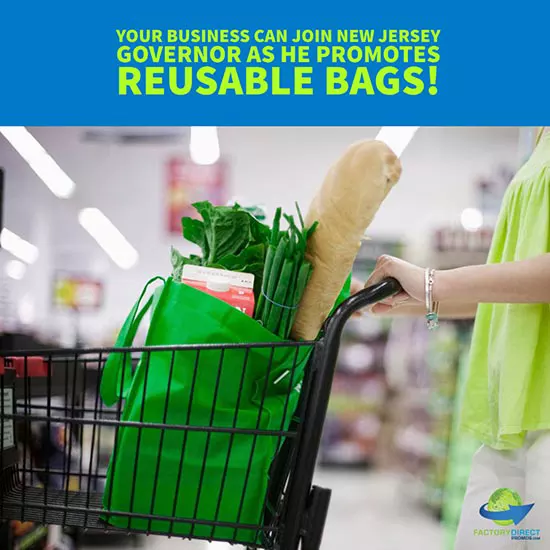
505	508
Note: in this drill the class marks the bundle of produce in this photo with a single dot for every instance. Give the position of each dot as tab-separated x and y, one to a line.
344	207
231	238
286	274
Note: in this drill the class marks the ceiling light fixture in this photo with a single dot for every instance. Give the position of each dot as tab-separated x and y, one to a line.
44	166
397	137
108	237
17	246
204	145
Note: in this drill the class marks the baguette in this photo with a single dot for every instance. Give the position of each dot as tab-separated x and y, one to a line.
344	207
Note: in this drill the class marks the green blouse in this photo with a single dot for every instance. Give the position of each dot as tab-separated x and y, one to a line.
508	385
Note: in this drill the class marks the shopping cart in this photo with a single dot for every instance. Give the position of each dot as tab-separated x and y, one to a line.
52	402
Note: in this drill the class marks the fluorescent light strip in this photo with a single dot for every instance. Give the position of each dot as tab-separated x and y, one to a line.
44	166
16	269
17	246
397	137
108	237
204	146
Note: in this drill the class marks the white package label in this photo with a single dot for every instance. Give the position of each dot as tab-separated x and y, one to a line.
200	273
7	424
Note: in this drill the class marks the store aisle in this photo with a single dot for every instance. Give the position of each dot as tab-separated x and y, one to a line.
367	511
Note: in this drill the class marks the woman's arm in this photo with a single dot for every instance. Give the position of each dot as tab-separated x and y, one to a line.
525	282
416	309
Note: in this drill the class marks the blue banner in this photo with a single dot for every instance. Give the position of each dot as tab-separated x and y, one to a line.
235	63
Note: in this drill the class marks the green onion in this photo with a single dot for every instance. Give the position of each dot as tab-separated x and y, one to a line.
267	269
274	241
286	274
273	322
300	217
289	301
304	275
275	233
310	231
270	282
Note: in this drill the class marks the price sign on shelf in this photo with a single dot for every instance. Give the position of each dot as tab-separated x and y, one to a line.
77	292
455	239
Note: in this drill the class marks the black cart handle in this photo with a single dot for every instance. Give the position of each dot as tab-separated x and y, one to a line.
369	296
364	298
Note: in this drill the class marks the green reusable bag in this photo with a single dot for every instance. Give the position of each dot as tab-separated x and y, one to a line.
209	476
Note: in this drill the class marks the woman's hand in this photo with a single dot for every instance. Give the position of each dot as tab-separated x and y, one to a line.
411	302
410	277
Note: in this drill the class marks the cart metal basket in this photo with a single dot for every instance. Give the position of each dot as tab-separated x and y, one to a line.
57	437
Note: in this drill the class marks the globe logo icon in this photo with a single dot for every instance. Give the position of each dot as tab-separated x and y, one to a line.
501	500
505	507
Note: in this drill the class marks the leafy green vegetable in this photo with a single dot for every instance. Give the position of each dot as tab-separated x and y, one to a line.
227	230
229	238
178	261
250	255
250	260
224	230
193	231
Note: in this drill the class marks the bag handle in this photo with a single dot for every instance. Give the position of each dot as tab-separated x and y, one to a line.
112	387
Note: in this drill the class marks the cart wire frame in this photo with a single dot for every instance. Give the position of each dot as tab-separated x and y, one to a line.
54	425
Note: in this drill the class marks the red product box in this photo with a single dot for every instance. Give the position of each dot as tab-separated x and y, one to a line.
236	289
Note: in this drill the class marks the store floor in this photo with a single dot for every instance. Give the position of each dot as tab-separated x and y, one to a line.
368	511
